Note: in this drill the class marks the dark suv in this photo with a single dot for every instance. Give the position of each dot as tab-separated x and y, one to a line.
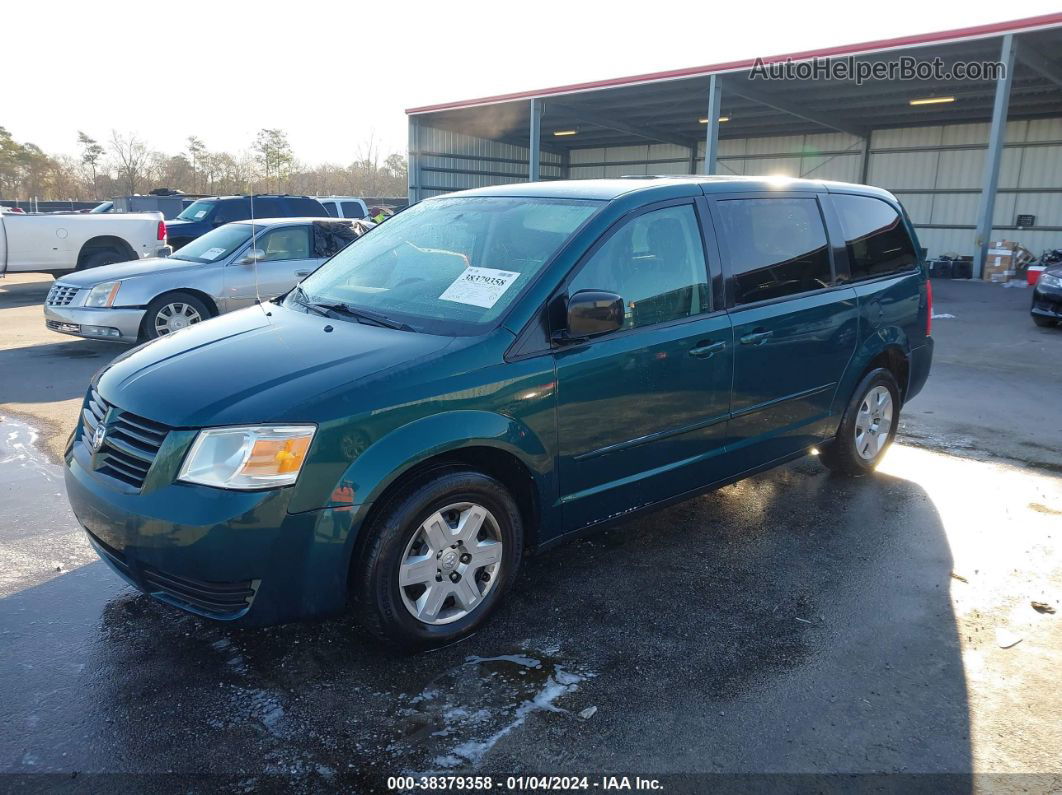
493	371
205	214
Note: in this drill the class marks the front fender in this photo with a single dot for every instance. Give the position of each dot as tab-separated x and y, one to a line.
142	290
374	470
396	454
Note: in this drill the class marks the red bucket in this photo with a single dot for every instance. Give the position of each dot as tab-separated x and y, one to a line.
1032	275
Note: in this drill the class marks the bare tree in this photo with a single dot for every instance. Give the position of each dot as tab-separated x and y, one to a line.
91	152
132	156
197	151
275	155
270	164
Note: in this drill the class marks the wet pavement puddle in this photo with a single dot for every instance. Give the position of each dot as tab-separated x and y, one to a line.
462	714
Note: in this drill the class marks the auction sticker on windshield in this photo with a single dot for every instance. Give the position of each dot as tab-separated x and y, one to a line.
213	253
479	286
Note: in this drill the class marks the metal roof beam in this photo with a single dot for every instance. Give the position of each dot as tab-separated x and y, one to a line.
1035	59
600	120
833	122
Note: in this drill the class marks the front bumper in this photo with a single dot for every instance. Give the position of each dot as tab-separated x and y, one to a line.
113	323
226	555
1047	302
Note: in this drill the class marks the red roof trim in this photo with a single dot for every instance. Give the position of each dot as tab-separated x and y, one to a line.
977	31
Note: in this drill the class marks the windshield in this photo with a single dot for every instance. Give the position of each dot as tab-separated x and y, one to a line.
448	266
196	211
216	244
105	207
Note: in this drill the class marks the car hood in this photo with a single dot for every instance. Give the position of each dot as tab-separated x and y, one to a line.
127	270
261	364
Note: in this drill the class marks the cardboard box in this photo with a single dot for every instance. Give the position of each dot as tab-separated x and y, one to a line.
1005	260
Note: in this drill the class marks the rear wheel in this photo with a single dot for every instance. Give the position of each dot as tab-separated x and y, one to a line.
1044	322
172	312
868	427
97	259
439	559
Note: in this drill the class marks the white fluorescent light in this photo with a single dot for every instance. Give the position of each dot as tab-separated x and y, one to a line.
931	101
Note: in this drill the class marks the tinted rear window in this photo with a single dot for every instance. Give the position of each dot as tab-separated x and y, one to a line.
876	239
777	247
330	208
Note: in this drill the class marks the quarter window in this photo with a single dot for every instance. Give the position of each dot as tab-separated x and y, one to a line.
876	239
656	263
777	247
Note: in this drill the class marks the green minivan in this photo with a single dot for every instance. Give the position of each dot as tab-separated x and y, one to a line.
491	372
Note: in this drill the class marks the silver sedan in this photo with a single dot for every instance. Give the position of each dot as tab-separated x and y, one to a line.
228	268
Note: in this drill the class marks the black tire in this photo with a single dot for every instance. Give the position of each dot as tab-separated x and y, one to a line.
98	259
375	588
841	454
148	328
1044	322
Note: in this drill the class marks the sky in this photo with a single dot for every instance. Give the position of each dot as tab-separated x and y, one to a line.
336	75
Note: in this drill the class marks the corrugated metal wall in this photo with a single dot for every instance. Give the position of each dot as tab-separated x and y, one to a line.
935	171
450	161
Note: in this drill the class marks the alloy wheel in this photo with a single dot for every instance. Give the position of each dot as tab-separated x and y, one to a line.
173	317
873	422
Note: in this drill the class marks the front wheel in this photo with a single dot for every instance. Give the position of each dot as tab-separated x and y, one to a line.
439	558
172	312
868	427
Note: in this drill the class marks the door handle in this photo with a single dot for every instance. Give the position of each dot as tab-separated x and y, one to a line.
757	337
705	350
302	273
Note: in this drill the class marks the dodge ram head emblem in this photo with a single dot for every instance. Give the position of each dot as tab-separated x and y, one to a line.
96	440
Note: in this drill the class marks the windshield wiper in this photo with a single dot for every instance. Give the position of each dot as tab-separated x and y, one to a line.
361	315
365	316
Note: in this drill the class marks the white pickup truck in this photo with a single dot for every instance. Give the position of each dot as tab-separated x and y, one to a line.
62	242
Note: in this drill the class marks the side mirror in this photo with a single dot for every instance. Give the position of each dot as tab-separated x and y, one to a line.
594	312
252	256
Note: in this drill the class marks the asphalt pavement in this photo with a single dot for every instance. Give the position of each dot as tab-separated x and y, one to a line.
790	625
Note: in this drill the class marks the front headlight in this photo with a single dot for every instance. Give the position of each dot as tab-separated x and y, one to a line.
1050	280
103	294
248	457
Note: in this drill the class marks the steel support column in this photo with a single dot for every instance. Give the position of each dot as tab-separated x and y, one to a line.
711	137
535	141
996	138
414	189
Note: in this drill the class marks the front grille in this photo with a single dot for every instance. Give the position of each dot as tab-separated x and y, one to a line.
129	445
60	295
217	598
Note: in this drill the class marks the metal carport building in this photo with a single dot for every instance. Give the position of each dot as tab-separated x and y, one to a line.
956	152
